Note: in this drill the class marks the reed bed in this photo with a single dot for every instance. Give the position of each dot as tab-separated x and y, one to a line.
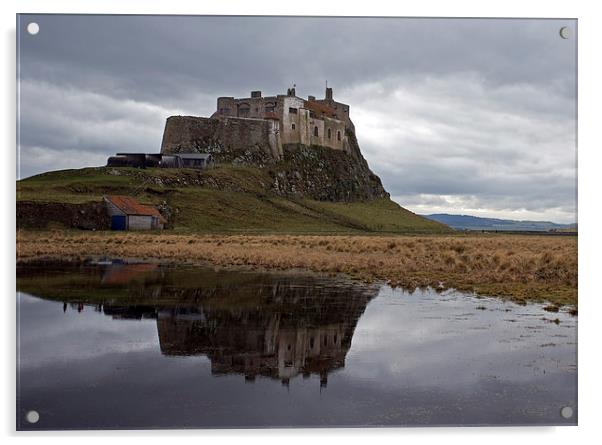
514	266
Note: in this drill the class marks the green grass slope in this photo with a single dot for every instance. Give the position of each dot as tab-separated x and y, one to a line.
223	199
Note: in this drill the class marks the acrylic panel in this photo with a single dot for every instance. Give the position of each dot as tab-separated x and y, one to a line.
251	222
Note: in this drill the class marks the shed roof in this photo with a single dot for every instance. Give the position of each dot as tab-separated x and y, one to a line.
130	206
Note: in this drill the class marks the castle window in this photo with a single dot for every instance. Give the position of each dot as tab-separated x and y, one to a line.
329	133
293	126
244	111
315	131
338	135
292	110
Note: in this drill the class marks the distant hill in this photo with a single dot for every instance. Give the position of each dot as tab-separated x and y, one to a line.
467	222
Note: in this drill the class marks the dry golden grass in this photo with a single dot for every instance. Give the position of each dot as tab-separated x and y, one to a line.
514	266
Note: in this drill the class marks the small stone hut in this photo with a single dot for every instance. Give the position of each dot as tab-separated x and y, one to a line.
127	213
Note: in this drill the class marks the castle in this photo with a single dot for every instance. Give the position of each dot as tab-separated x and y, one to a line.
308	148
295	120
269	122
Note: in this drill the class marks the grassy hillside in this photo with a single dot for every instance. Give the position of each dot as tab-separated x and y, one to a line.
223	199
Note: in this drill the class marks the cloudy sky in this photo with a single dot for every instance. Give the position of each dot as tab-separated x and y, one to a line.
459	116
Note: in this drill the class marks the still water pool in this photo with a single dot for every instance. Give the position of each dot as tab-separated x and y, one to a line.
148	346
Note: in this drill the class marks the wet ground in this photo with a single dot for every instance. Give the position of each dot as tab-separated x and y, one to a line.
144	346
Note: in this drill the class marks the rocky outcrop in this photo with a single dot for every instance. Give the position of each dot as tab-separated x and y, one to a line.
325	175
296	170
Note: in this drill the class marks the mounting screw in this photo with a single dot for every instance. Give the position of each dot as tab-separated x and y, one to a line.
33	28
566	412
32	416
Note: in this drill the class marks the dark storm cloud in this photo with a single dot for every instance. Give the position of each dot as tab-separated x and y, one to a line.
158	57
442	107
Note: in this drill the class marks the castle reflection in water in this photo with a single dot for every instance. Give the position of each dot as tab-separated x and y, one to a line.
252	343
252	324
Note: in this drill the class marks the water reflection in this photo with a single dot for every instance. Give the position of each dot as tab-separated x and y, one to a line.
274	326
270	345
145	346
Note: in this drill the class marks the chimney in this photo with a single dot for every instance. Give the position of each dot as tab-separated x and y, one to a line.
328	93
255	93
291	92
311	98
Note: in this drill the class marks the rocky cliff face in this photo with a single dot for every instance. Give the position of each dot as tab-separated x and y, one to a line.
301	171
325	175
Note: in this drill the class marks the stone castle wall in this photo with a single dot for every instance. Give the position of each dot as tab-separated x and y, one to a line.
257	138
252	107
